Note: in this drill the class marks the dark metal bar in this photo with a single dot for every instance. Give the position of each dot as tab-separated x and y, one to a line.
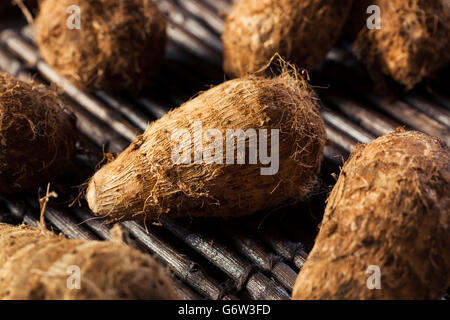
431	109
372	121
284	274
179	16
340	140
413	118
64	221
192	44
199	9
291	251
332	118
94	223
254	250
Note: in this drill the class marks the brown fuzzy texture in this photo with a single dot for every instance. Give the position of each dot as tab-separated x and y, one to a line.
119	47
413	41
143	182
302	32
34	264
390	207
37	134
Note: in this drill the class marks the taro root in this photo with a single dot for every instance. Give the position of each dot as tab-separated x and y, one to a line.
357	18
35	264
146	182
300	31
389	210
37	135
412	44
119	46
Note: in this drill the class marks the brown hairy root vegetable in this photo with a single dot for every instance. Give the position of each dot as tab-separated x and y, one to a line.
37	134
300	31
389	208
35	264
413	41
145	182
119	46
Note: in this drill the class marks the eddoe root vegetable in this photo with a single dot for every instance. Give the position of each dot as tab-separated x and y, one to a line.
388	210
36	264
118	46
145	182
412	43
37	135
300	31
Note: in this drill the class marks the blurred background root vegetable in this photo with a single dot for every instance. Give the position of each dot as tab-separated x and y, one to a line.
38	135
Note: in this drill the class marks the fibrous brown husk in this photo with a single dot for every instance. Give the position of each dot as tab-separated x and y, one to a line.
119	47
36	264
412	43
37	134
389	208
300	31
144	182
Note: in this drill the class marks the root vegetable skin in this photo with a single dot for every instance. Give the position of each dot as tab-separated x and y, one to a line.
37	135
143	182
5	4
412	43
300	31
120	44
34	265
389	208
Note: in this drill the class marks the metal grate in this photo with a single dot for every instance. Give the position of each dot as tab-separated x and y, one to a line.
255	257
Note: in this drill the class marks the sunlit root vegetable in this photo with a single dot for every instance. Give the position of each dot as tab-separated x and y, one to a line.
386	229
300	31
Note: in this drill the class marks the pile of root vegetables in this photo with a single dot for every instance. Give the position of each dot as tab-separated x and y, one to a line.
389	207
